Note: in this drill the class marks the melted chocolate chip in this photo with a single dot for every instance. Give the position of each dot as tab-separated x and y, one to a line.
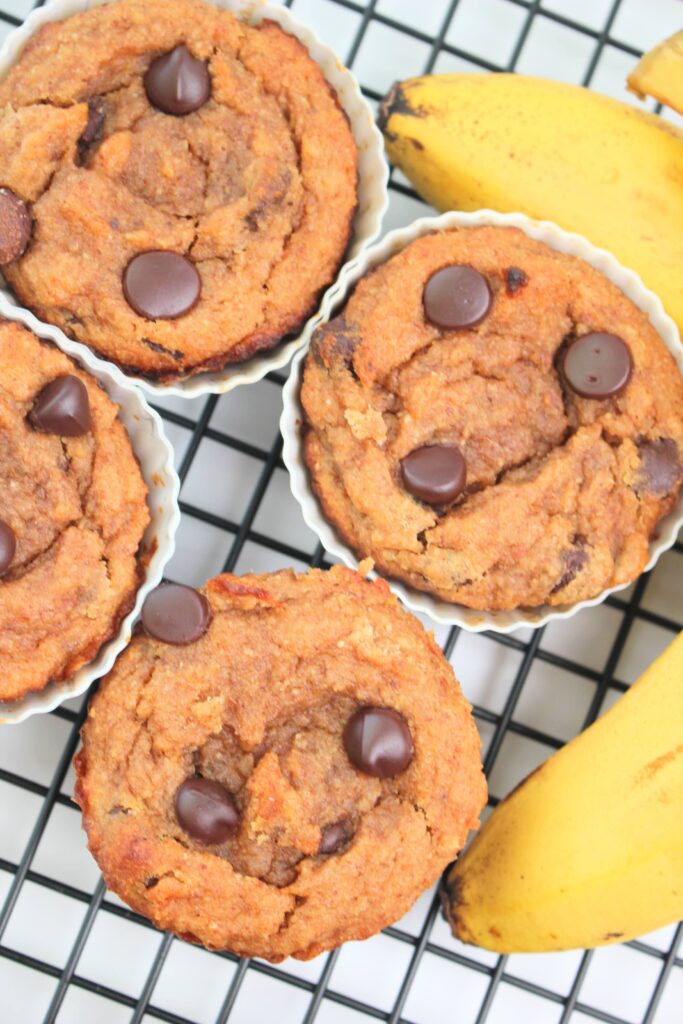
515	279
206	811
63	408
342	338
573	561
93	128
15	226
436	474
178	83
8	546
597	365
176	614
378	742
161	285
333	837
661	467
457	296
334	341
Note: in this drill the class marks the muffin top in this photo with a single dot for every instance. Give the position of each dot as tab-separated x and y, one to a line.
293	776
177	190
72	514
494	422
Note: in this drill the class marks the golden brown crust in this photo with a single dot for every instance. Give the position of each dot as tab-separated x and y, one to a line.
561	500
78	509
259	704
257	187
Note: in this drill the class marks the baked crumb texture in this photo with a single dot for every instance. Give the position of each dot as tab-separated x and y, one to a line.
259	705
257	187
563	493
77	507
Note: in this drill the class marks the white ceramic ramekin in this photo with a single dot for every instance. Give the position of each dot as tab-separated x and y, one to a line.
373	174
292	416
155	455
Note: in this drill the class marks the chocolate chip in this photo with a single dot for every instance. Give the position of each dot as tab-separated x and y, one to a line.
573	561
15	226
436	474
151	881
457	296
95	123
597	365
176	614
161	285
334	341
333	837
378	742
177	82
8	546
206	811
661	469
63	408
515	279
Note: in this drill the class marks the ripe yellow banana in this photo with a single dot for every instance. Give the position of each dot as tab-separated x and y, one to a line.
660	73
588	850
553	151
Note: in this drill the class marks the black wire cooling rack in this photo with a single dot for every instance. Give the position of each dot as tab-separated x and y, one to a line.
196	423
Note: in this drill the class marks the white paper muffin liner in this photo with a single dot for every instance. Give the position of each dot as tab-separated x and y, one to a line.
293	416
155	456
373	174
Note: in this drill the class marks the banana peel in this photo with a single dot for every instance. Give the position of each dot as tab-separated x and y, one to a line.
588	850
659	73
557	152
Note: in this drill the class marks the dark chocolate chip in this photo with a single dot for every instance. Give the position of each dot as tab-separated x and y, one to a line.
176	614
177	82
378	742
333	837
8	546
335	340
95	123
597	365
161	285
661	469
15	226
436	474
206	811
515	279
573	561
63	408
151	881
457	296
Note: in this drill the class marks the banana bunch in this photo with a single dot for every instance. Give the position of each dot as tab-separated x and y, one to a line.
553	151
660	73
588	850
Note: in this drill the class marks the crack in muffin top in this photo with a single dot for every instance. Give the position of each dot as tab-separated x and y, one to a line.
560	496
77	509
240	186
319	850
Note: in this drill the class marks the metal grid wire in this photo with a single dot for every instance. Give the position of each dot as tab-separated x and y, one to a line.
195	424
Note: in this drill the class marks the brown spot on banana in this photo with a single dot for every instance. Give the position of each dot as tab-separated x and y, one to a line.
396	102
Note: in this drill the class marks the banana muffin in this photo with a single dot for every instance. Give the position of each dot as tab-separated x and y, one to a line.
73	512
175	191
278	764
494	422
